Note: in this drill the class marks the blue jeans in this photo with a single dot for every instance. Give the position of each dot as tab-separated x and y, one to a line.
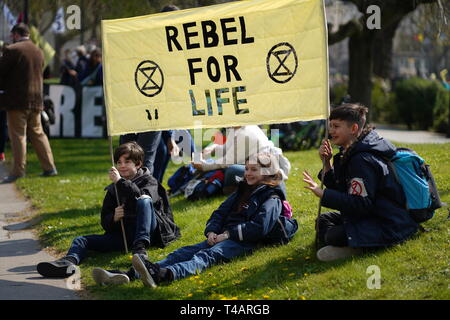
190	260
149	141
186	144
142	229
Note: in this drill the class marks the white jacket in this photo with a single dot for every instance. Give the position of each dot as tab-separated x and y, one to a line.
240	144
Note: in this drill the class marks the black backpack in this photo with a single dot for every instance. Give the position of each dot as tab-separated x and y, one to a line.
168	230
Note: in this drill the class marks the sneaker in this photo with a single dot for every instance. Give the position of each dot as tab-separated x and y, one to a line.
49	173
331	253
61	268
10	179
2	156
139	248
105	277
149	272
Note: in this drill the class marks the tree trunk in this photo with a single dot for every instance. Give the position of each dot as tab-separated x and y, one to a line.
382	59
360	67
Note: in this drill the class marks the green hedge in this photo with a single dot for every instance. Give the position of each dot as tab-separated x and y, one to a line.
416	102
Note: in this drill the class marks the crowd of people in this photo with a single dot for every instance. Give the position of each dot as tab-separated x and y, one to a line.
85	69
136	209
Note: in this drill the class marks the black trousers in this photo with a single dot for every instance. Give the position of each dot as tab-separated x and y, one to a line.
331	230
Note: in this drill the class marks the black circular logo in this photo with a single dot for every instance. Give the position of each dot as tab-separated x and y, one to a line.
282	62
149	78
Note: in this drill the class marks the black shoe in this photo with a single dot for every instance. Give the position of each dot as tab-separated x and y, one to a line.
10	179
105	277
149	272
61	268
49	173
139	248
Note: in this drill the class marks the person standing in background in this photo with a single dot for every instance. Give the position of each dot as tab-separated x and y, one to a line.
21	80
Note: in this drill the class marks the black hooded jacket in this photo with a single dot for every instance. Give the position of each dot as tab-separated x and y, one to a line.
129	191
361	186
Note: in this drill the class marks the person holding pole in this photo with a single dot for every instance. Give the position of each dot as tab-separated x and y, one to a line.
143	209
250	217
361	186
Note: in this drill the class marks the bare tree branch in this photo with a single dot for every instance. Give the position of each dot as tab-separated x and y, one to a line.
344	31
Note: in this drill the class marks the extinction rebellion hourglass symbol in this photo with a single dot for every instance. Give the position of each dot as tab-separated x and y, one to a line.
149	78
282	62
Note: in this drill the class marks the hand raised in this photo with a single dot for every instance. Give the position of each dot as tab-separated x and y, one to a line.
325	150
312	185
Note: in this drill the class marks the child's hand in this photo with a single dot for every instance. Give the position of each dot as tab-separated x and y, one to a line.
222	237
325	150
314	187
119	213
114	175
212	238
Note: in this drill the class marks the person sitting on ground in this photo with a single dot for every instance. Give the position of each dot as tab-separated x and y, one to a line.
144	210
240	143
249	217
361	186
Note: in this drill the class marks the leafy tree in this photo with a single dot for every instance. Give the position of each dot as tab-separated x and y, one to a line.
370	50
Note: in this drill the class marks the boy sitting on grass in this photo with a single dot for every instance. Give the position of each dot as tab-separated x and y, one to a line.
144	209
251	216
361	186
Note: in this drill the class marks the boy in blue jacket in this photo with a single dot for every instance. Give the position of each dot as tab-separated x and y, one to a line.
361	186
250	216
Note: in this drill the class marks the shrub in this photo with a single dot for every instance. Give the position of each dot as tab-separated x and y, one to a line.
337	93
415	101
381	109
441	110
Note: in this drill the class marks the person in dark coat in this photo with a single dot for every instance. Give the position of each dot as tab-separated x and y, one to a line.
360	185
144	210
22	85
251	216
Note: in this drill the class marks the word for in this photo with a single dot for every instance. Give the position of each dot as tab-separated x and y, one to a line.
213	68
220	101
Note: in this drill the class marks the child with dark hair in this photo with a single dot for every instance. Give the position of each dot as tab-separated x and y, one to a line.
360	184
144	210
250	216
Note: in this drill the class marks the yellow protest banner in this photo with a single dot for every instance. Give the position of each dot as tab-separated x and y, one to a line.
245	62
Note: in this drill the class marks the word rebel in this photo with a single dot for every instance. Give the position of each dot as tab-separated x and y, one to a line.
210	37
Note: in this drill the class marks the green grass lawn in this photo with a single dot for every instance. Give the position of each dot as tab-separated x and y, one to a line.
70	206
